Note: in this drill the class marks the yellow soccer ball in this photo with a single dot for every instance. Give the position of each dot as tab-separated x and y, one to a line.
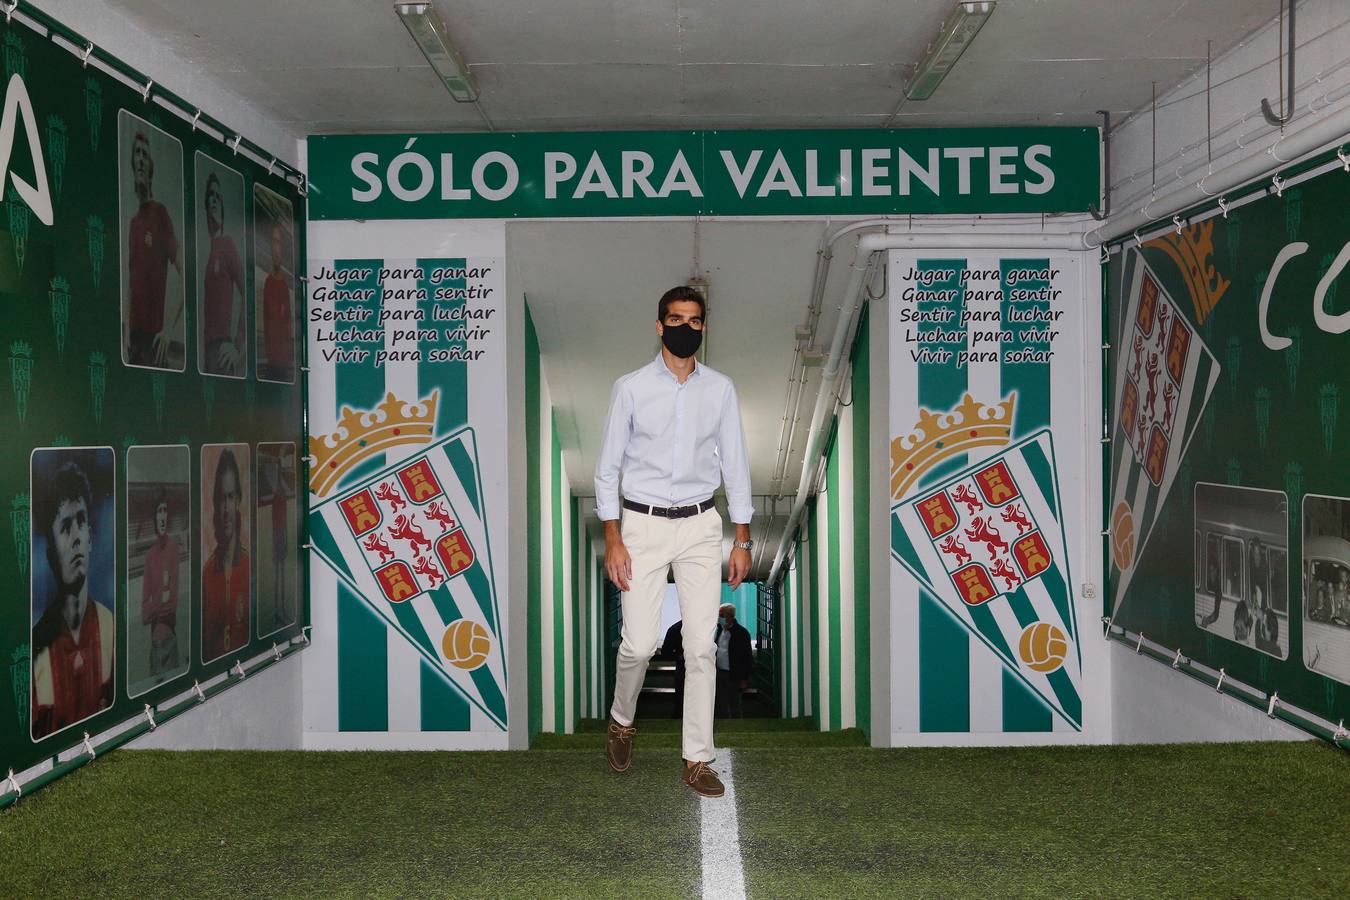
466	644
1122	536
1043	647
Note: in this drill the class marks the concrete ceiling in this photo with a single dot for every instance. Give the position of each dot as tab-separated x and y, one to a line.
349	65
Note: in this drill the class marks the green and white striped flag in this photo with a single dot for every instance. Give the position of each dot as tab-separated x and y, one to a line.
419	528
988	543
1164	375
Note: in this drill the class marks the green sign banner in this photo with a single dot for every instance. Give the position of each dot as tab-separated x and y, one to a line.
1229	495
152	466
686	173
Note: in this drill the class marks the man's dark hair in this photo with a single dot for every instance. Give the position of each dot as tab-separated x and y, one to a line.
67	483
206	196
674	295
227	463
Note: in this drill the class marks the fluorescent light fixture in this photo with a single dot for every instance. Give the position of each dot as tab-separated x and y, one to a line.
957	32
428	29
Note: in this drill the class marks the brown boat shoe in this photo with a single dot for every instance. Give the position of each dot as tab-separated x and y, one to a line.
701	779
619	746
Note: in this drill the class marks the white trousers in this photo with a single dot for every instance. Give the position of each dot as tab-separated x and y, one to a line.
693	547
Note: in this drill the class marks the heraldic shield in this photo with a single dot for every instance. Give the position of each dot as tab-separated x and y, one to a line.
989	543
412	541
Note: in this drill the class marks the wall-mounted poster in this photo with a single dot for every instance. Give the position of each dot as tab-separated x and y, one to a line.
988	497
150	200
159	565
407	484
1228	541
1326	586
222	322
1242	565
227	580
115	213
278	540
274	277
74	621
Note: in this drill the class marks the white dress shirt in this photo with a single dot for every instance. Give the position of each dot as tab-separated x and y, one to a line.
672	441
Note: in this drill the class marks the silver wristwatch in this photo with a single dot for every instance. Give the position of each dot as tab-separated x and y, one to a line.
745	545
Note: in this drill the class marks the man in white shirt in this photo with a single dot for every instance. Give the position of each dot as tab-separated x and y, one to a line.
673	431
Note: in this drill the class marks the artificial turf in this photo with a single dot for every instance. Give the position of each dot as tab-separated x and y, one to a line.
381	824
1197	820
1229	820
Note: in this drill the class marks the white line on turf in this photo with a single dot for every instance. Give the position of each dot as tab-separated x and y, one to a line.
723	874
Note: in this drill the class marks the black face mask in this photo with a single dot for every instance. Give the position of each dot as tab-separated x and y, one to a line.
681	340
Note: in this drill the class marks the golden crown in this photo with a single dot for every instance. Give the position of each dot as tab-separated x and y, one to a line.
360	434
1193	251
938	436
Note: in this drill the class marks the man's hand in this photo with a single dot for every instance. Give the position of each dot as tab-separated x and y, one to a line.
618	564
739	568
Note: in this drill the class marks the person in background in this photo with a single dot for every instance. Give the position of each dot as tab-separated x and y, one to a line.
735	663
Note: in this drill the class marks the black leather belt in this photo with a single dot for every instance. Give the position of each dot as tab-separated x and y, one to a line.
669	512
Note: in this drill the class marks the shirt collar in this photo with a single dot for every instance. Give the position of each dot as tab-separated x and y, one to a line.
660	364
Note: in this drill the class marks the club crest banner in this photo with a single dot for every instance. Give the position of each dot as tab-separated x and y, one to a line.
989	544
1161	392
420	530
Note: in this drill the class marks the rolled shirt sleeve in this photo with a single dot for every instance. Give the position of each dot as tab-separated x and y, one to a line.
735	464
613	444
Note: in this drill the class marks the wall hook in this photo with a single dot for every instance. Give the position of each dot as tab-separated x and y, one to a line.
1266	110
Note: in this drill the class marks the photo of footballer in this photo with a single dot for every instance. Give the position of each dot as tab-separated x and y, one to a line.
274	284
226	571
222	326
1241	546
159	565
1326	586
73	595
278	527
151	217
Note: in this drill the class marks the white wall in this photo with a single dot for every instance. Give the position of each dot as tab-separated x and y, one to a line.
1240	79
113	30
1151	704
262	713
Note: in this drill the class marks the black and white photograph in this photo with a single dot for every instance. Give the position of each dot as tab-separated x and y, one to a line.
1242	566
1326	586
150	245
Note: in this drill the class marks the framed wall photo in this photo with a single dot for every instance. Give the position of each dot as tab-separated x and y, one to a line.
74	593
159	565
278	537
222	320
227	580
274	285
1326	586
150	245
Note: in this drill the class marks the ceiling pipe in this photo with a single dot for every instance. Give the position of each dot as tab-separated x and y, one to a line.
1327	128
828	397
